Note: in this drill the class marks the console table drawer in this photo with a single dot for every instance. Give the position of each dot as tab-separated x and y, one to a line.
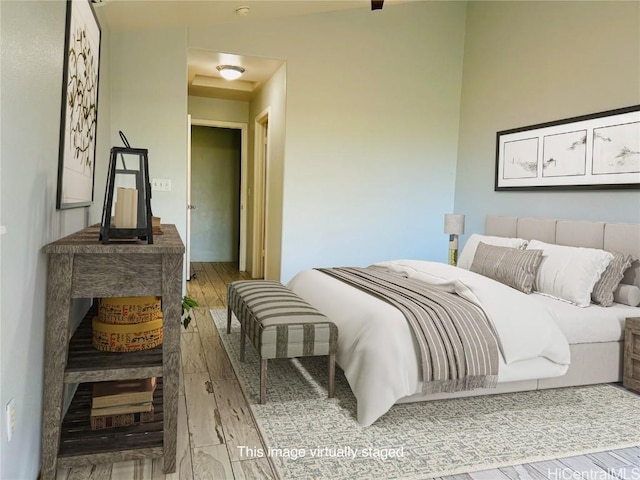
137	274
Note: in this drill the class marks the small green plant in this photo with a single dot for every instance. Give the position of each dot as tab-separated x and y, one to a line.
187	304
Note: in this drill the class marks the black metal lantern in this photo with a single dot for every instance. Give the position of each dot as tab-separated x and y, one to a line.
126	213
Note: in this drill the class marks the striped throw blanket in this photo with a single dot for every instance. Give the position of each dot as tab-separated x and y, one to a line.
458	346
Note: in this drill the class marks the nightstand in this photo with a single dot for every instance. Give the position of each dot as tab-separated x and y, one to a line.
631	379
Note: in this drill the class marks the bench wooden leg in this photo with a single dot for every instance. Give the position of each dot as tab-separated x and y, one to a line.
263	381
241	343
228	319
332	375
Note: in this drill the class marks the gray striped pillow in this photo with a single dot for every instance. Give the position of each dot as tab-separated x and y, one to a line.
511	266
603	289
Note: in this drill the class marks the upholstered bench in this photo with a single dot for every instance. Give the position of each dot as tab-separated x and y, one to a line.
280	324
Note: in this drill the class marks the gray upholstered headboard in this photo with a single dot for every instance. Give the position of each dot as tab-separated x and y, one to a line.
613	237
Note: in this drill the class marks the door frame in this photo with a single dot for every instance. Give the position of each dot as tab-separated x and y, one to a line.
244	128
261	194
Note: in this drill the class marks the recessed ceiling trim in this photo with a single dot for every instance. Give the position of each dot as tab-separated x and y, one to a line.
215	82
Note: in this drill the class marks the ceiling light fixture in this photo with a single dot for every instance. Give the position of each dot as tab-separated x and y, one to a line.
230	72
242	11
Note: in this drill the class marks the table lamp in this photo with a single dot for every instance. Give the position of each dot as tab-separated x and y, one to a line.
454	226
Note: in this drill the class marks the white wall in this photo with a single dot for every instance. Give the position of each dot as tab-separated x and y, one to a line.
149	104
532	62
272	96
32	37
370	153
203	108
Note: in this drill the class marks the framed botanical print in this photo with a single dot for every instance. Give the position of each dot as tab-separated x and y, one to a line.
79	112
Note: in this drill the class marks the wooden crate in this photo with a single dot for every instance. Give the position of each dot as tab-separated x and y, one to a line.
631	379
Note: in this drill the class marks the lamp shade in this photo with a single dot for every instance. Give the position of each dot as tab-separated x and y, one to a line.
454	224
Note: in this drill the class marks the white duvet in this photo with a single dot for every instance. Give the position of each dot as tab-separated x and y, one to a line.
377	349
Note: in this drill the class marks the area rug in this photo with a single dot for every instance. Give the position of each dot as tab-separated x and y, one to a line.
309	436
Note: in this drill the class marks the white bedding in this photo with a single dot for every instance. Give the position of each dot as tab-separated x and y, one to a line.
377	349
592	324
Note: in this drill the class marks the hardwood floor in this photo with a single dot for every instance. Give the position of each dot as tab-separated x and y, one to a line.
214	418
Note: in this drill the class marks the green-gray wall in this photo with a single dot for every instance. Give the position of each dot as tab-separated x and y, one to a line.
532	62
215	191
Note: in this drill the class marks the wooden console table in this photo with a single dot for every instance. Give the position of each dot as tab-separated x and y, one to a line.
81	267
631	378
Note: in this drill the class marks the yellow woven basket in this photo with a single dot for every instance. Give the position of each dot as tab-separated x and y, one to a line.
125	310
109	337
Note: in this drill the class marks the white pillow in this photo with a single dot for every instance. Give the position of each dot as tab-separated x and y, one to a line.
469	251
569	273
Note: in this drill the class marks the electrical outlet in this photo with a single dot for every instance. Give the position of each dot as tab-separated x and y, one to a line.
11	419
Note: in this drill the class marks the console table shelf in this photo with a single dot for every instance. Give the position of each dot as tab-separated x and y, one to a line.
86	364
78	443
80	266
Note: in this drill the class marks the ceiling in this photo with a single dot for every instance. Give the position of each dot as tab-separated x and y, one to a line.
204	80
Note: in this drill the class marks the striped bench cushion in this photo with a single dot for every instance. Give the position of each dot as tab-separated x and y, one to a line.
278	322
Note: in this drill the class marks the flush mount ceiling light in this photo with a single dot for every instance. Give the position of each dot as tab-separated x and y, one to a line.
242	11
230	72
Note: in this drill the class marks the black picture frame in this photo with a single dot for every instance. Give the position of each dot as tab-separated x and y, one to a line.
599	151
79	110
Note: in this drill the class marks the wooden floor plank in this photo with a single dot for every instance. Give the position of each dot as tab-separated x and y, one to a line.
239	427
549	468
194	290
197	266
256	469
217	284
584	466
522	472
488	475
631	454
211	463
216	357
607	460
203	417
132	470
184	468
192	356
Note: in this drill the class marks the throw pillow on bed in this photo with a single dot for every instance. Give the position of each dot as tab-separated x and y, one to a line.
510	266
610	279
627	294
469	251
569	273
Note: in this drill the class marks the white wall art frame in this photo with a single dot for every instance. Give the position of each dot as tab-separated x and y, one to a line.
597	151
79	112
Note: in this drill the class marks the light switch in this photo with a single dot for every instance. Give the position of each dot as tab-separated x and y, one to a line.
161	184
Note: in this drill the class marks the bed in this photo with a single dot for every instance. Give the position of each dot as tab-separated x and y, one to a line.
548	344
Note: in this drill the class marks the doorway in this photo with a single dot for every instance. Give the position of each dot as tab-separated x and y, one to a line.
216	193
261	198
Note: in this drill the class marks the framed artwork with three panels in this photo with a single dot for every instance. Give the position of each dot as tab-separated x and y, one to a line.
596	151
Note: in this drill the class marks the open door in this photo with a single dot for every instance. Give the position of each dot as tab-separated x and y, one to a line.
244	131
